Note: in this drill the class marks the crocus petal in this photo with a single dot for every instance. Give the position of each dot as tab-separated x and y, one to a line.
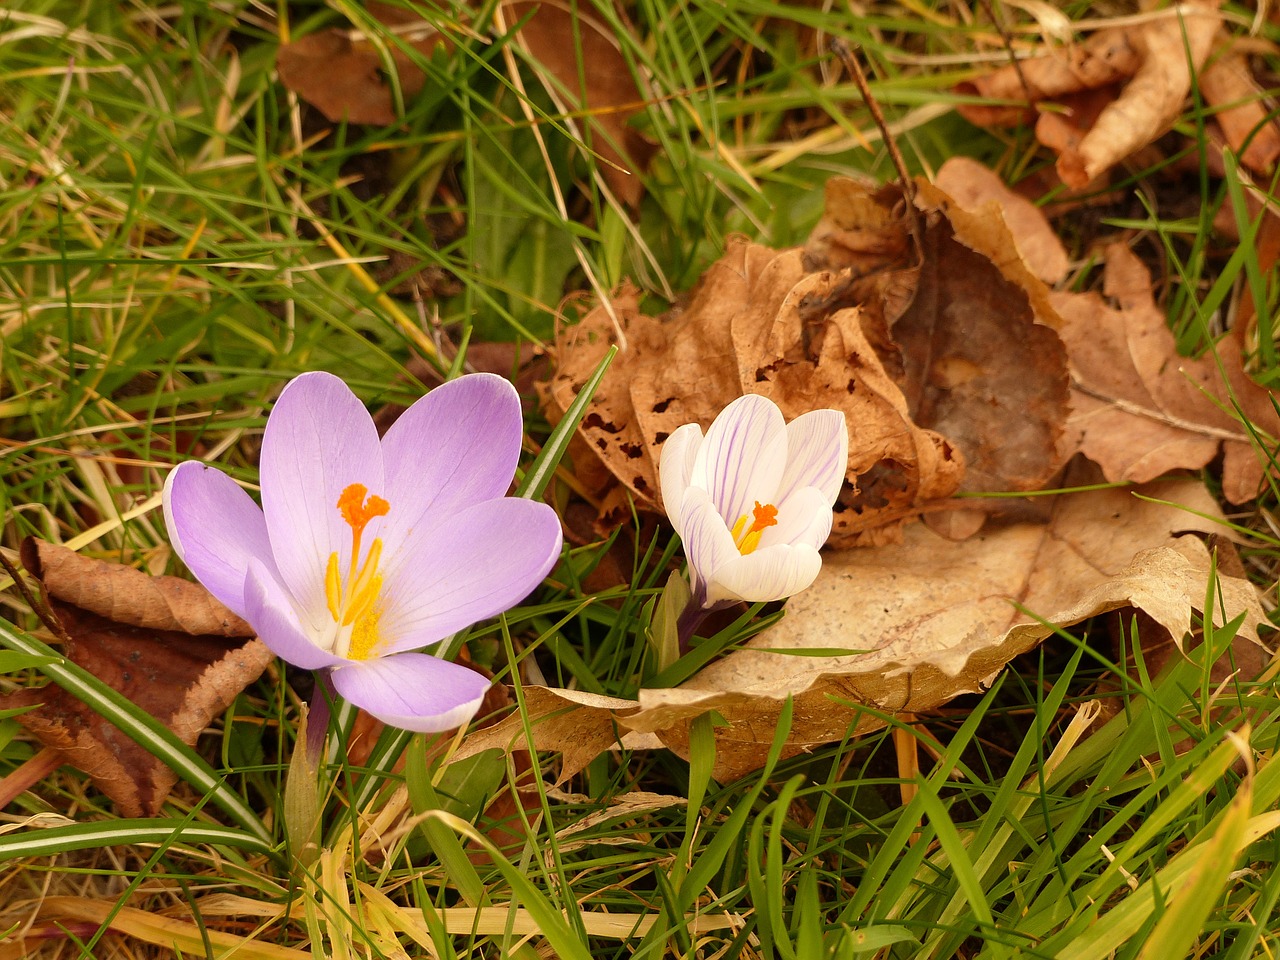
466	566
270	613
743	456
817	454
412	691
803	517
319	439
678	454
707	541
770	573
456	446
216	529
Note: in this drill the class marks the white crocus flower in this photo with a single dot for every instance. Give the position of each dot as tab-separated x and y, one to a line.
752	499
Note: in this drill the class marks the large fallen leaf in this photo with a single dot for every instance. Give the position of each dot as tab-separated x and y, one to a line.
1142	410
925	621
983	365
163	642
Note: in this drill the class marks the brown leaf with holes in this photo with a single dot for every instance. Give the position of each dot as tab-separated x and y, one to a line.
164	643
1140	409
935	365
750	329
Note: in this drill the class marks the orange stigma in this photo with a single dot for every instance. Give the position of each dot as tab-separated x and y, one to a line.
358	507
353	605
747	538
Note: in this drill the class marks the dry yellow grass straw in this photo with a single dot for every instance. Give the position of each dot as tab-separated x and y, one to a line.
177	935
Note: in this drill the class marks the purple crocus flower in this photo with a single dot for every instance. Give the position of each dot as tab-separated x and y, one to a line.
364	549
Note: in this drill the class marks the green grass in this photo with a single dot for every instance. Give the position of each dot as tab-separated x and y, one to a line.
179	237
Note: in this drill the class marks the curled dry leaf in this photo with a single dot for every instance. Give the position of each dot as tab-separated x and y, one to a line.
1105	58
817	328
973	185
923	622
1173	49
983	364
164	643
1121	89
1141	410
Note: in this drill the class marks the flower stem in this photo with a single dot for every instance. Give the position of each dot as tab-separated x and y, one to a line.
688	622
318	718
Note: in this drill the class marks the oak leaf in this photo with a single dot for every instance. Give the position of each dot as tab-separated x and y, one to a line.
163	642
1140	409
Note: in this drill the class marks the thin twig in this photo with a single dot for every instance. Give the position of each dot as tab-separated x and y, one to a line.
841	49
37	605
1007	39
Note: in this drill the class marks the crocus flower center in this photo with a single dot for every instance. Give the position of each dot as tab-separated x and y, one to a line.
353	601
747	537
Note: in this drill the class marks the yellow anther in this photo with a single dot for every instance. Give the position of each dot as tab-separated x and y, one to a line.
364	590
365	637
333	587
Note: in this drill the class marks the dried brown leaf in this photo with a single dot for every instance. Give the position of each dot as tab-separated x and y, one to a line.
162	642
341	74
343	78
1140	409
983	365
759	322
1241	111
572	44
